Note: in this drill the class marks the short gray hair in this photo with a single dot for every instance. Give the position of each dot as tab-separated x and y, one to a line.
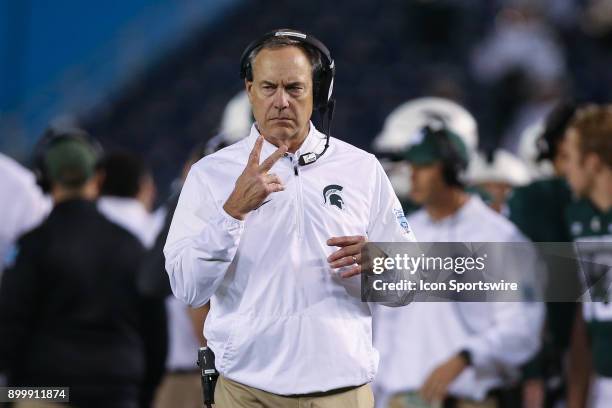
313	55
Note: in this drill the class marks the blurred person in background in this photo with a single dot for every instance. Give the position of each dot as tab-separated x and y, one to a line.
462	354
22	206
523	66
180	387
126	197
70	314
545	223
405	123
497	173
589	220
538	210
270	230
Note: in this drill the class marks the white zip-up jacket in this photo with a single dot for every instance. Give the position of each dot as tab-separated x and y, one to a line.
281	319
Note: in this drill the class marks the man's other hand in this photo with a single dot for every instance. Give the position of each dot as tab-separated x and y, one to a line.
436	385
348	254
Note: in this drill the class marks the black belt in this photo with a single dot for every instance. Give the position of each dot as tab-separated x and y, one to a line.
325	393
184	371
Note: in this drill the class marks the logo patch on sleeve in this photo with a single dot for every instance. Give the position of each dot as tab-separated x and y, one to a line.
401	219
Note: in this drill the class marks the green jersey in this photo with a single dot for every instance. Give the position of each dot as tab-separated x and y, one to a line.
587	224
538	210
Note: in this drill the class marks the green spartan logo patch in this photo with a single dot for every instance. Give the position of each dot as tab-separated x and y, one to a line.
332	194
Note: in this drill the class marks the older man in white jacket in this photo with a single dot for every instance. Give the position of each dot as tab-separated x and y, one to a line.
260	239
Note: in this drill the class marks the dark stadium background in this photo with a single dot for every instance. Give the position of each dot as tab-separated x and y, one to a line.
154	76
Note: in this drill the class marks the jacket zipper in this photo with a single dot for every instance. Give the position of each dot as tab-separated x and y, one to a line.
299	201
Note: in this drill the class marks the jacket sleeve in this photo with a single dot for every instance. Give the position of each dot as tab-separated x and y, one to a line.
202	242
387	221
514	333
512	339
388	224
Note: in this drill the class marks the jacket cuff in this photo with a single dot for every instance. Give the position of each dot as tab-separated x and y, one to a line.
479	356
229	223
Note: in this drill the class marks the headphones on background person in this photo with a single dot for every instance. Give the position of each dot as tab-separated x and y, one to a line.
555	126
454	164
323	78
52	137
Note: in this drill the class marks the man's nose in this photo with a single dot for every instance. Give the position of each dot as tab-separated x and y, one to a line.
281	100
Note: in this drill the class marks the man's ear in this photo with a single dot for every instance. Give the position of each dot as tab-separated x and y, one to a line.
99	177
593	162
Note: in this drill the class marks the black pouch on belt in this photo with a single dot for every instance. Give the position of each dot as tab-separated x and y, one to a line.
206	362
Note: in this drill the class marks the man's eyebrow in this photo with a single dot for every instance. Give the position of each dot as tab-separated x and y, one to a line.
295	83
264	82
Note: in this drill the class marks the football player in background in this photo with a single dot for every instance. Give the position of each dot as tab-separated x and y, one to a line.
589	173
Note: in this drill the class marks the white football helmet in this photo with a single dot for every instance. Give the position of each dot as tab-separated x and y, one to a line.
528	152
504	168
405	122
237	118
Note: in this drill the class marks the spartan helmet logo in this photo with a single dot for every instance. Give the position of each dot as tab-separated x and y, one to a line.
332	194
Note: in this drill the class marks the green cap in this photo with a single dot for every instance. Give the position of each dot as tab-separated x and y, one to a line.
70	162
425	149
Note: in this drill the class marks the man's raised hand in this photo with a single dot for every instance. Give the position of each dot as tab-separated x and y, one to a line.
254	184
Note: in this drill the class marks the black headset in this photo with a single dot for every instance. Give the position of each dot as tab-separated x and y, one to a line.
323	78
453	162
50	138
555	125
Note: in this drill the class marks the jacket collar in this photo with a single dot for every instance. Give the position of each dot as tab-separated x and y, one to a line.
314	142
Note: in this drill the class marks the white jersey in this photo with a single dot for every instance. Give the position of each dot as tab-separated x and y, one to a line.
414	340
281	320
131	214
600	393
22	205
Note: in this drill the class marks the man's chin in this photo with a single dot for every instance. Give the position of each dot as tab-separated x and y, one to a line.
282	132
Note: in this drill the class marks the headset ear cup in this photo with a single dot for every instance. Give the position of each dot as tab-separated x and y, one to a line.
448	174
453	165
323	88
